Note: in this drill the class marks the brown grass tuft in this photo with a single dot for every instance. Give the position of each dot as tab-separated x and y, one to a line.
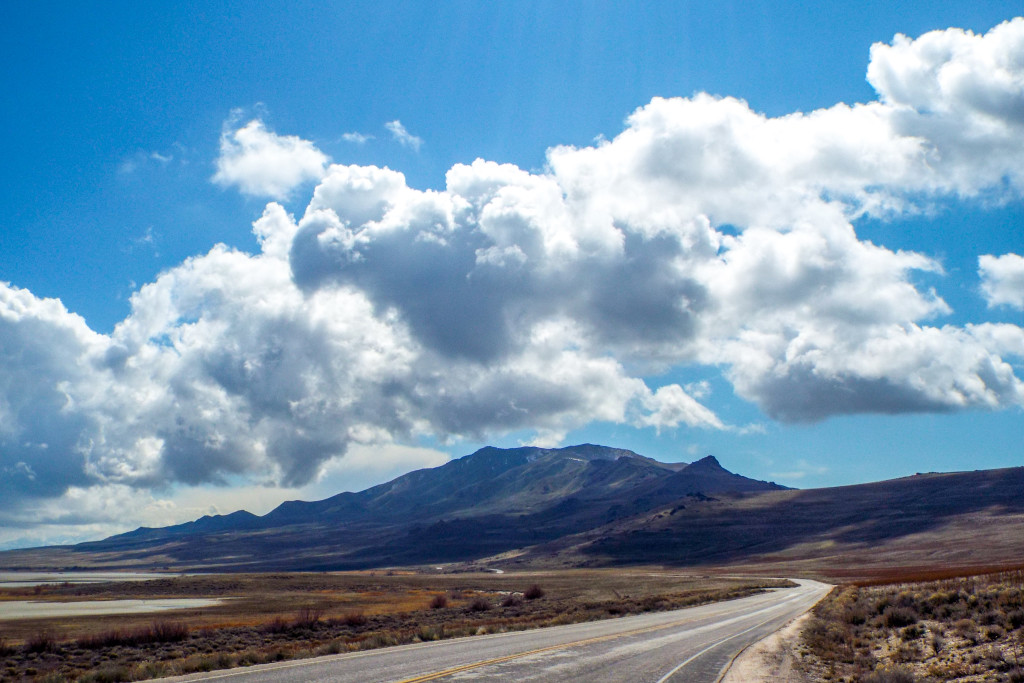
354	619
512	600
158	632
307	617
43	641
533	592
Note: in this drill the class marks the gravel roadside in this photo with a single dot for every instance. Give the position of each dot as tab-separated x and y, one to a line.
772	660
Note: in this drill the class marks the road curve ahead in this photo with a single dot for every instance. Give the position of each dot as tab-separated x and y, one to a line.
689	645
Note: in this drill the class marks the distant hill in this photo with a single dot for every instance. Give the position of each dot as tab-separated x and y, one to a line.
591	505
927	521
491	501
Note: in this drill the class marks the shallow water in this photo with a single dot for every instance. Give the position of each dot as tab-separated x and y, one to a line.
26	579
31	609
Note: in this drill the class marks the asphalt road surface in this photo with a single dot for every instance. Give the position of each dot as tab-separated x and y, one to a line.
682	646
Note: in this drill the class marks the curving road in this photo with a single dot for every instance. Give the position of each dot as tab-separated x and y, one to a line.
690	645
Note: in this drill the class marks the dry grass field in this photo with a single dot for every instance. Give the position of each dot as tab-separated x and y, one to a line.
925	626
270	617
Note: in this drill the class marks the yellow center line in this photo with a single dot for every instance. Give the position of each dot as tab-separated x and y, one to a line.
550	648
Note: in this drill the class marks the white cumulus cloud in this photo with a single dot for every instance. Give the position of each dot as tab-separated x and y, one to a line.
262	163
1002	279
703	234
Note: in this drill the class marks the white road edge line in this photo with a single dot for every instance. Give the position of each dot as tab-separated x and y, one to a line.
679	666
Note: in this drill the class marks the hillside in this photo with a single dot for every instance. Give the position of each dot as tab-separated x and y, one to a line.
592	505
927	520
491	501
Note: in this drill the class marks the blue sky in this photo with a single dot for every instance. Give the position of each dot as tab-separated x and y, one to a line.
836	327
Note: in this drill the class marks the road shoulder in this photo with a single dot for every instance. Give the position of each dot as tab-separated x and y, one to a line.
771	659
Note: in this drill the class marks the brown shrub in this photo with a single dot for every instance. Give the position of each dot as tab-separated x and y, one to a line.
152	670
276	625
104	639
168	632
512	600
533	592
114	673
377	640
829	640
891	675
44	641
897	617
439	601
653	603
307	617
855	615
479	604
907	652
912	632
965	627
354	619
994	633
427	633
949	670
158	632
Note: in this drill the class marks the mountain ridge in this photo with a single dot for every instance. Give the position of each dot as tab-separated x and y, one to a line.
468	477
490	501
584	506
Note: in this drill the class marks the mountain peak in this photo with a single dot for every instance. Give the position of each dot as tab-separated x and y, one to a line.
707	463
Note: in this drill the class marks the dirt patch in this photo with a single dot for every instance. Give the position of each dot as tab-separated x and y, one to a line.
771	660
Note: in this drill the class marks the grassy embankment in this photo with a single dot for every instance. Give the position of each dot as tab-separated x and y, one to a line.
934	626
287	616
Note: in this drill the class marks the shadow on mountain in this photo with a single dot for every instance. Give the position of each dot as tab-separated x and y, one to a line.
587	504
817	522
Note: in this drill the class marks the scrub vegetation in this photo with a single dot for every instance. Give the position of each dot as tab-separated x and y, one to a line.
957	628
267	618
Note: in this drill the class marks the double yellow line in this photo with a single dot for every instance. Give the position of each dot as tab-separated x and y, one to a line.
576	643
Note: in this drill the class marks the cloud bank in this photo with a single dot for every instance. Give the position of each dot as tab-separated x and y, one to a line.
703	234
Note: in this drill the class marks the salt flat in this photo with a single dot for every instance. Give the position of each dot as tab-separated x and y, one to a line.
31	609
29	579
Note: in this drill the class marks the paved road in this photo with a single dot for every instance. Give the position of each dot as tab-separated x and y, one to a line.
683	646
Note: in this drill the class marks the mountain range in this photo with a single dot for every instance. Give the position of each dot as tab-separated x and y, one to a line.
587	505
